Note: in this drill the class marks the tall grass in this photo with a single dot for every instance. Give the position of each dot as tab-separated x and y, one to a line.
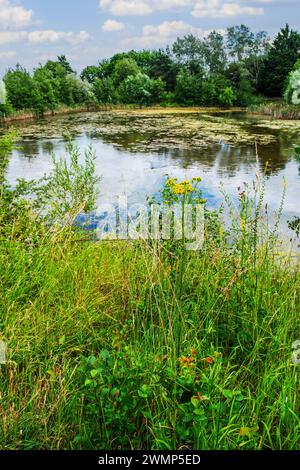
107	350
277	110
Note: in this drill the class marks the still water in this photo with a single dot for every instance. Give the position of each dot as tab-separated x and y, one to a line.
136	149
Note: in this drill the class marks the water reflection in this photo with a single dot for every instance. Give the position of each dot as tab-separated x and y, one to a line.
135	152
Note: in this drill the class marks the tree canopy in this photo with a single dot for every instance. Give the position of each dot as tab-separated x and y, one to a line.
218	69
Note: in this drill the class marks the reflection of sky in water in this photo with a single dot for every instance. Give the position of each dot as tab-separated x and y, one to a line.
138	175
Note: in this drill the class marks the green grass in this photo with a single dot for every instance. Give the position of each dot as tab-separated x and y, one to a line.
277	110
122	345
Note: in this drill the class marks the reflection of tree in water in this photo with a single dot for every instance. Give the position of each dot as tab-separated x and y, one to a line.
149	134
29	149
277	154
229	160
127	141
47	146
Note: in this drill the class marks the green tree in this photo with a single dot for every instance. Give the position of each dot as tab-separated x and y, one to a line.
213	91
188	88
239	41
281	58
91	73
189	52
46	86
157	64
22	91
292	91
62	60
105	91
123	69
227	97
5	106
214	52
257	53
81	92
141	89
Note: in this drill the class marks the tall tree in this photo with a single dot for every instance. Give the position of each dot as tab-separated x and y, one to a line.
189	52
214	52
239	40
258	49
21	89
62	60
281	58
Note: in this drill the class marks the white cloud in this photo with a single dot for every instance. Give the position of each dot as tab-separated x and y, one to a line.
7	55
201	8
51	36
163	34
112	25
170	28
141	7
10	37
13	15
218	9
126	7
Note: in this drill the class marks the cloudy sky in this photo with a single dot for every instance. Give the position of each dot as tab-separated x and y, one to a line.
32	31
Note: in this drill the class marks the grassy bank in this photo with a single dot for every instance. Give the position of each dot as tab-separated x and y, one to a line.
136	345
277	110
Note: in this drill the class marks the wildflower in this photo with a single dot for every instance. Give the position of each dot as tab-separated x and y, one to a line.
193	352
187	361
200	397
209	360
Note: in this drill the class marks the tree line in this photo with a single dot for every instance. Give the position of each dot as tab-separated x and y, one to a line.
219	70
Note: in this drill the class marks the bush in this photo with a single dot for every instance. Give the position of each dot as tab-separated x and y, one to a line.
227	97
292	91
105	91
142	90
188	88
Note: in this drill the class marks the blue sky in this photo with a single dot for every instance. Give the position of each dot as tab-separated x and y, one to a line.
32	31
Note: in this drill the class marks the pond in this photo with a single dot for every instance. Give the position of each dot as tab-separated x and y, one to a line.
137	148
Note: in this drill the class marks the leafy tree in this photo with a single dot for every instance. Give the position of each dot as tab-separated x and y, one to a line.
281	58
141	89
5	106
190	53
188	88
157	64
81	91
240	80
91	73
214	52
213	91
62	60
3	93
239	41
227	97
46	86
292	92
123	69
257	53
105	91
22	91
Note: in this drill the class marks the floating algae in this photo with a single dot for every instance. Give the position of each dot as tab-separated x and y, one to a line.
154	129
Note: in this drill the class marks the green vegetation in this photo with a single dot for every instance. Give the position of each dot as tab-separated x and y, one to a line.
218	70
142	345
280	61
277	110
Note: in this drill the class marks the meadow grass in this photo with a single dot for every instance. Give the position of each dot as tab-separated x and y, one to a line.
126	345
